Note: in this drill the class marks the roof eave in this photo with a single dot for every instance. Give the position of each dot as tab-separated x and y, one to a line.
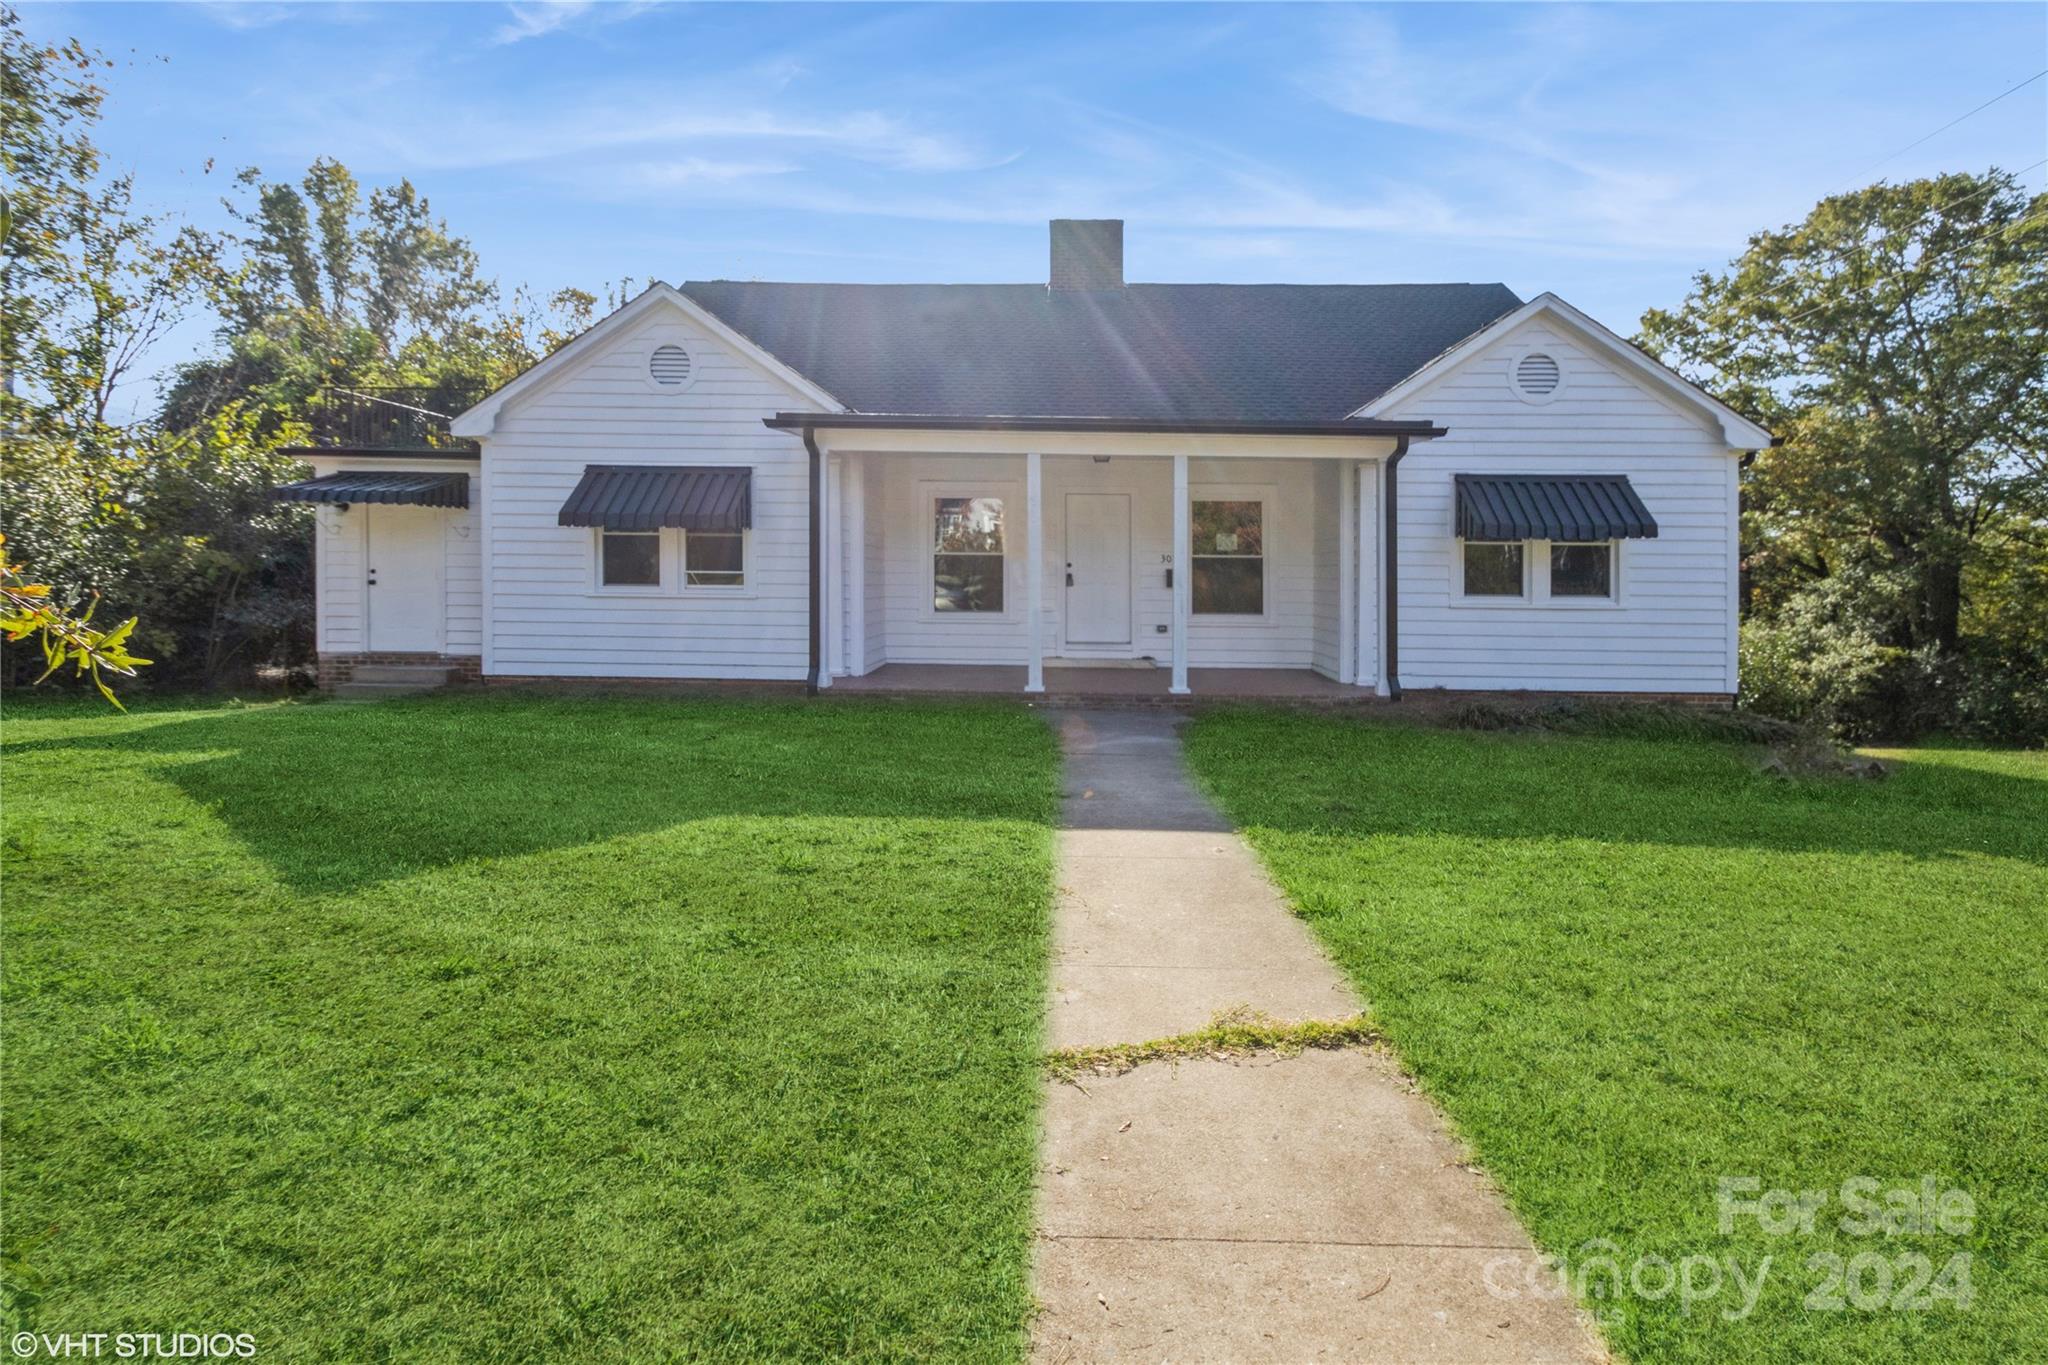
871	421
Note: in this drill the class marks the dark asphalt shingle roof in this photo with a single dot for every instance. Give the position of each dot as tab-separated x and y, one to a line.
1219	352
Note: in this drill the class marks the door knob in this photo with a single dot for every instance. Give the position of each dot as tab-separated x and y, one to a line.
1070	578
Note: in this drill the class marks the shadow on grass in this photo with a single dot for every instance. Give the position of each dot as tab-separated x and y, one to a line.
1412	780
338	797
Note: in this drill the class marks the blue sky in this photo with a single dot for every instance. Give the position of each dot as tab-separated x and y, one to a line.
1602	152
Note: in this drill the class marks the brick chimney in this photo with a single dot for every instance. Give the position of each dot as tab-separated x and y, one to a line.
1087	253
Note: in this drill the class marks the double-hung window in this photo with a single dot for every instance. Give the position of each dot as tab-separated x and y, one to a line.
1229	548
967	555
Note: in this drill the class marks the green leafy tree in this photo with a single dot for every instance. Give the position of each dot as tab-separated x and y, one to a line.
321	284
87	284
1898	340
64	634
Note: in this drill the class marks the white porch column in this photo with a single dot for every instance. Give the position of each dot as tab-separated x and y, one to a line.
1372	584
831	606
854	487
1034	574
1183	575
1347	571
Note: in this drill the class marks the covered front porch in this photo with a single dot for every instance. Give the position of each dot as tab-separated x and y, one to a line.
1072	683
1080	558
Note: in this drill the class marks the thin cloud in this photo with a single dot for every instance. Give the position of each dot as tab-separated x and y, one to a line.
699	170
541	17
722	120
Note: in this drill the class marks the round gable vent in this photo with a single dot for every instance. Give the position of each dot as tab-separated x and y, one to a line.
1537	375
669	366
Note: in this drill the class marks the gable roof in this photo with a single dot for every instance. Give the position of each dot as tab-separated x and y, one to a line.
479	420
1160	352
1737	430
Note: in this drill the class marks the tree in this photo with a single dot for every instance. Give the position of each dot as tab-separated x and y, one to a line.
87	284
322	284
1897	339
65	634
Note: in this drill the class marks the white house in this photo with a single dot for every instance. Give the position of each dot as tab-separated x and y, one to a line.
1074	486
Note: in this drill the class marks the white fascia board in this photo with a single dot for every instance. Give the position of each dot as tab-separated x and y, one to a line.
482	419
342	462
1739	432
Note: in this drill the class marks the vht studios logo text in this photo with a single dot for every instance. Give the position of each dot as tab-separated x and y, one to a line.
133	1345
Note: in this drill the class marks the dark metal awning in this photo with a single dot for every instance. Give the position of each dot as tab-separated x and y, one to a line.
642	497
377	485
1551	507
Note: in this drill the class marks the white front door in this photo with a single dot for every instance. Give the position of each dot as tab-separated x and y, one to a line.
1098	582
403	582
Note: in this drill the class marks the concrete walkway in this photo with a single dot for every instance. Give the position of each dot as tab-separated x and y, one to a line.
1277	1209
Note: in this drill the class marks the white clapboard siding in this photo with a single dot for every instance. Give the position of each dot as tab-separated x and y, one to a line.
1673	629
902	628
548	616
338	580
462	580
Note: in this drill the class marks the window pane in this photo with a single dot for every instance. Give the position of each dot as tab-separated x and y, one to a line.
1581	571
714	559
967	582
632	561
1230	587
1493	569
1228	528
970	526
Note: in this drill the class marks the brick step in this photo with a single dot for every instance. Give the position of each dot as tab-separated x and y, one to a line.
421	675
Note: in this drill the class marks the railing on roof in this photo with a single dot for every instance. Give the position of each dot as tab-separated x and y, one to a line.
391	417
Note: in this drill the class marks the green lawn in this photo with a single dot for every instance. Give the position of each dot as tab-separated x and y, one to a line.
1626	968
519	1029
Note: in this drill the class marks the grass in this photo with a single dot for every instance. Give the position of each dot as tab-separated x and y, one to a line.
1629	966
527	1029
1236	1032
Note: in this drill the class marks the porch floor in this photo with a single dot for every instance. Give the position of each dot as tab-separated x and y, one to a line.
1135	684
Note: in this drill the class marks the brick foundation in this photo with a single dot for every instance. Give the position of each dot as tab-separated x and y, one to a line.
727	687
336	669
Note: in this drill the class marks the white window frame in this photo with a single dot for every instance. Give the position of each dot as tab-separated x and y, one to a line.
743	588
1266	495
1612	598
661	559
1459	598
674	579
1011	495
1536	578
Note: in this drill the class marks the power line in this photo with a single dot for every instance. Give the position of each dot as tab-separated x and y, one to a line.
1957	119
1989	230
1843	253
